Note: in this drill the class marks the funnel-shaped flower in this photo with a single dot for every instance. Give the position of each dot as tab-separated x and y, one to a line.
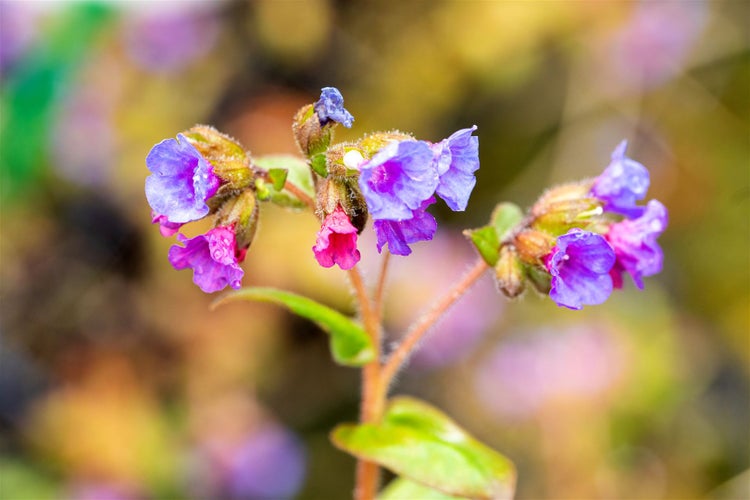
634	242
622	184
337	241
579	265
398	179
330	107
457	158
399	234
211	256
181	181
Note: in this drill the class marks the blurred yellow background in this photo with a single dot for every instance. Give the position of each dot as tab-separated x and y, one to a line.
116	381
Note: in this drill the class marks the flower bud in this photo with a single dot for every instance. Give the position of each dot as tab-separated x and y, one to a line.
312	137
231	163
240	212
565	207
509	272
343	160
372	143
532	245
343	192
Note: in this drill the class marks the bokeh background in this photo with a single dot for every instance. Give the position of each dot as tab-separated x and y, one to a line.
117	382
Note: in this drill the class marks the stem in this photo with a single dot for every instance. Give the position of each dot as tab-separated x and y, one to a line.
373	398
294	189
378	299
422	326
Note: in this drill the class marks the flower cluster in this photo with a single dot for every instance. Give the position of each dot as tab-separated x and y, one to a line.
185	186
579	239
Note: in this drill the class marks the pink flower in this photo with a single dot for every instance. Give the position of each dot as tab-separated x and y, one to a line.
337	241
212	257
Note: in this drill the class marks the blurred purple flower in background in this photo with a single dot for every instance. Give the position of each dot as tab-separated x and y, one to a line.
18	29
622	184
580	264
330	107
99	490
212	257
270	463
525	373
634	242
167	36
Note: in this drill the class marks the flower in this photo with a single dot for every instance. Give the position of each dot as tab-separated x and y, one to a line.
622	183
398	179
398	234
213	258
635	246
330	107
337	241
166	228
457	158
579	265
181	181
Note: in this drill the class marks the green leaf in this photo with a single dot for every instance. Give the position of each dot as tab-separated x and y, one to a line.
486	241
350	343
417	441
504	218
278	177
298	173
487	238
403	489
319	164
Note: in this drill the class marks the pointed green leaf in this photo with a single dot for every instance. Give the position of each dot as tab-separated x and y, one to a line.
486	241
417	441
504	218
350	343
278	177
403	489
298	173
319	164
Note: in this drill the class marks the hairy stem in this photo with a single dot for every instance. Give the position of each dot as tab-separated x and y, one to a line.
373	398
422	326
378	298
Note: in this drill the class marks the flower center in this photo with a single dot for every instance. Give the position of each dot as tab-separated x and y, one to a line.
383	177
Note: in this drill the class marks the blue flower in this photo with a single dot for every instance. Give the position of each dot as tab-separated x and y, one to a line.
398	179
181	181
579	265
213	257
634	242
622	184
457	158
399	234
330	107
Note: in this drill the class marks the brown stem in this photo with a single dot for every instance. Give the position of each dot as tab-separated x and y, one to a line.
422	326
373	398
378	299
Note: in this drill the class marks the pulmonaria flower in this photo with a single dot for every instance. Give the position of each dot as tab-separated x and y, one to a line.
399	234
579	265
337	241
181	181
330	107
398	179
457	158
622	184
635	246
212	257
166	228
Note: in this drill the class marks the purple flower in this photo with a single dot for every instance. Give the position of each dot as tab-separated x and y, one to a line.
330	107
457	159
213	258
580	264
181	181
398	179
634	242
622	184
398	234
337	241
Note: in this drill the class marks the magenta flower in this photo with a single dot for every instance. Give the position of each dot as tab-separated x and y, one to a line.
337	241
398	179
166	228
181	181
622	184
580	264
399	234
634	242
457	158
212	257
330	107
